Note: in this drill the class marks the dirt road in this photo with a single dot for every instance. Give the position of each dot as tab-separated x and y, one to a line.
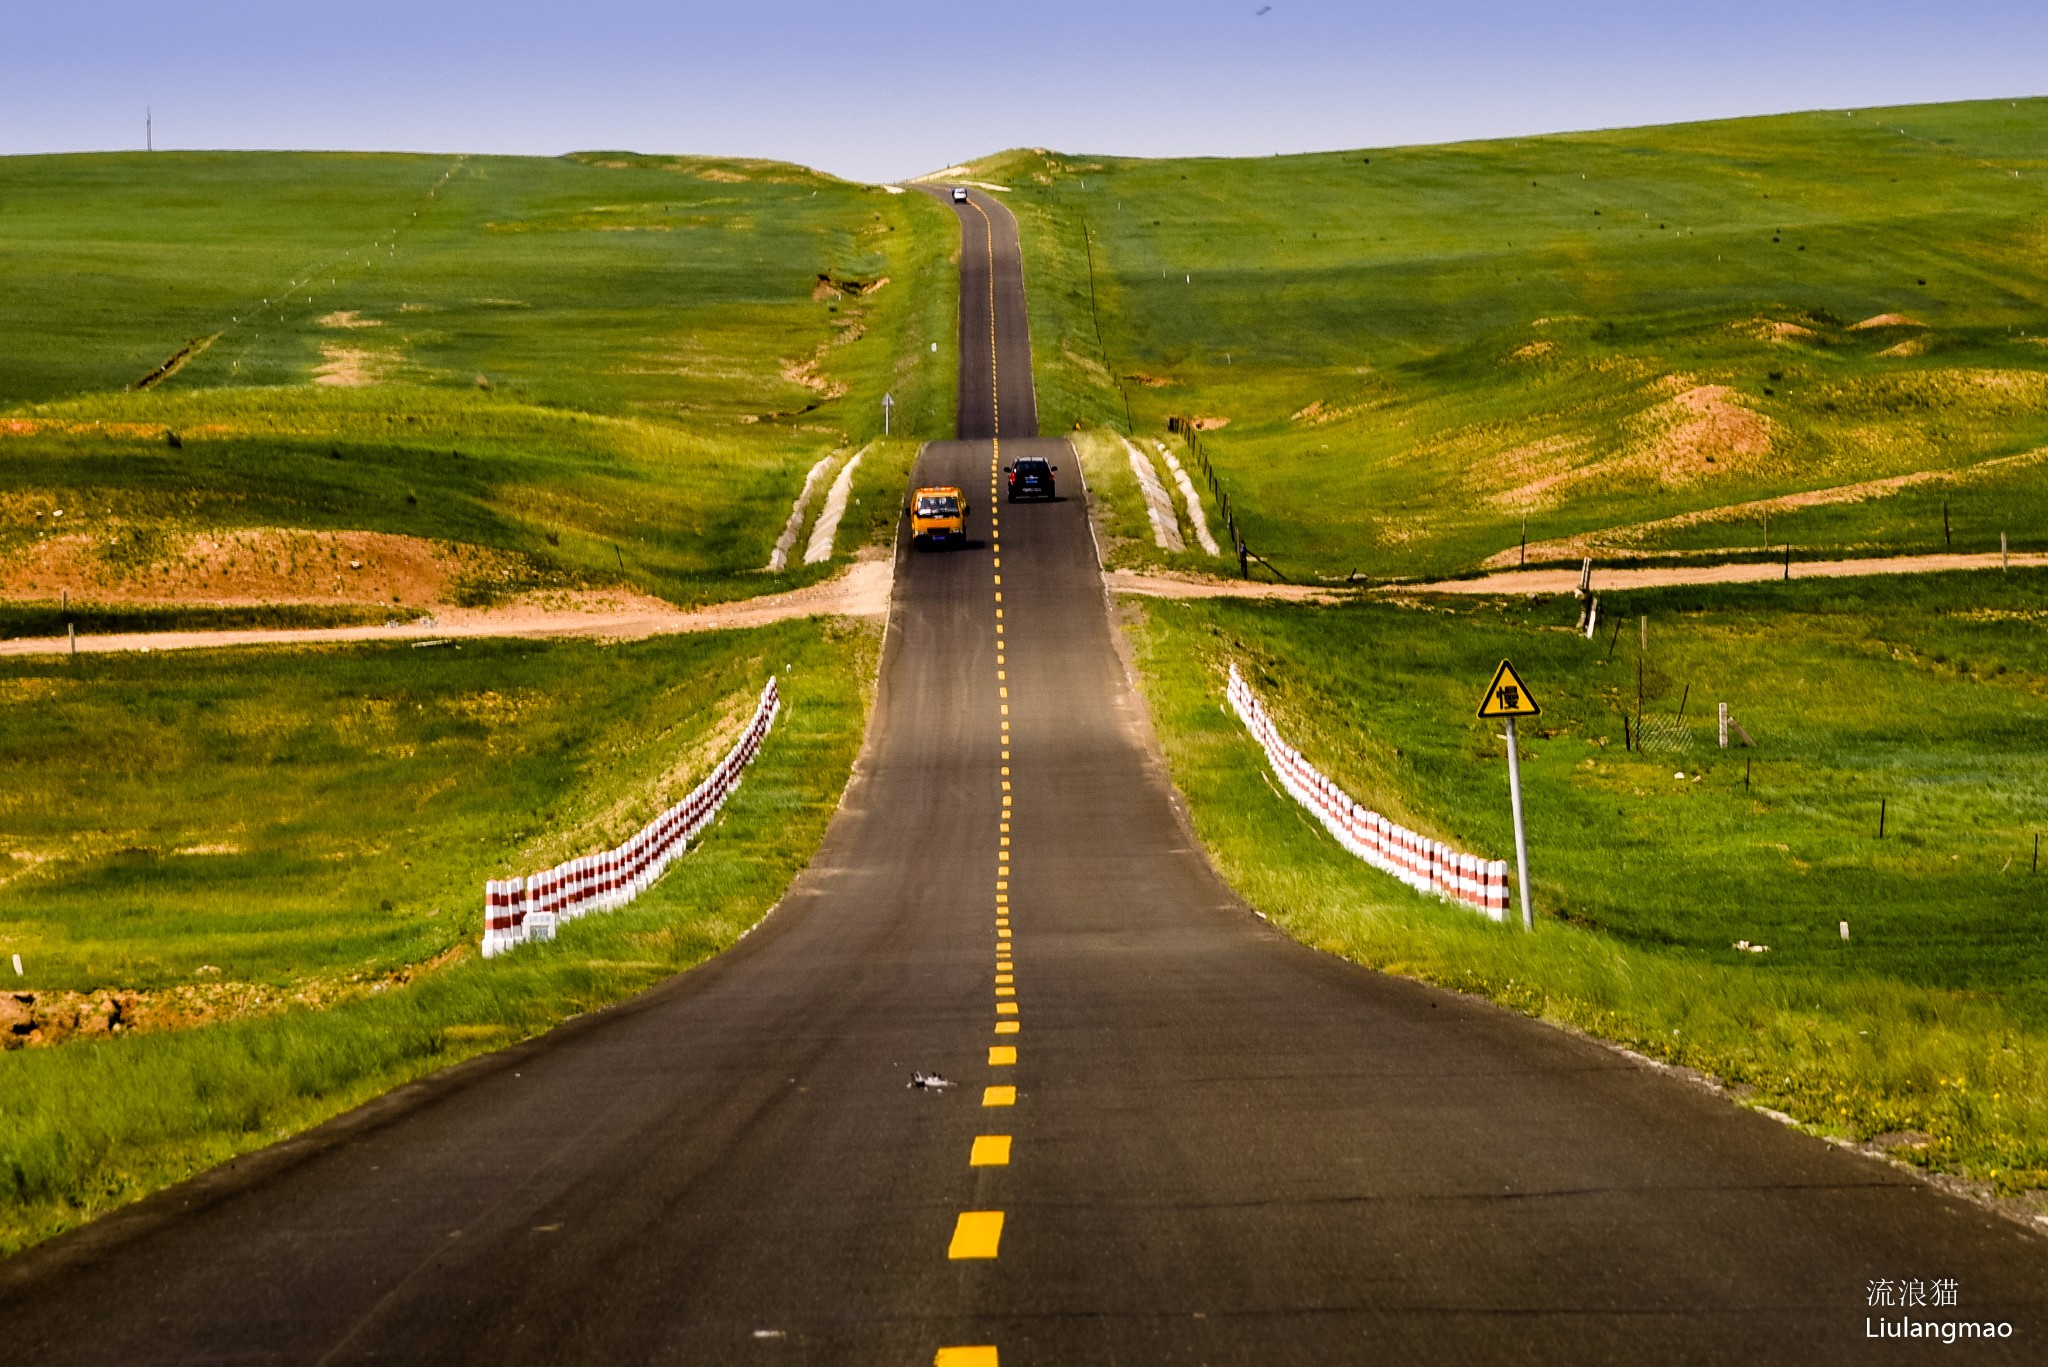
1661	576
861	591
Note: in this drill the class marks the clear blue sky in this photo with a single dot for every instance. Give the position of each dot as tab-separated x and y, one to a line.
883	90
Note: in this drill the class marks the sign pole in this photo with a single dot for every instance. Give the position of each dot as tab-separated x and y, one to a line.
888	407
1521	835
1507	698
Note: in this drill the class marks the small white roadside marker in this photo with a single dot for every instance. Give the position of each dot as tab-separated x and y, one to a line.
17	965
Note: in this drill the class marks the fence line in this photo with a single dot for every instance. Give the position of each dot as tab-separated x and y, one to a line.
1428	866
517	910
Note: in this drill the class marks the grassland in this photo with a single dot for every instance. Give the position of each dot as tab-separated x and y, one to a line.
266	867
606	367
1927	1029
1647	342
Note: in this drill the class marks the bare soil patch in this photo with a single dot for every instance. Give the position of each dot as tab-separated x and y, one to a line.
258	565
350	367
30	1020
1887	320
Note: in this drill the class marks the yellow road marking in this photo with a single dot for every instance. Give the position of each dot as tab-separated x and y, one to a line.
999	1096
1002	1055
1006	992
999	596
976	1234
1006	1028
990	1151
1002	978
999	562
977	1355
1007	1008
1006	706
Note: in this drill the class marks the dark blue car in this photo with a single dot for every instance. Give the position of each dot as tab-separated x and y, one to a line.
1031	477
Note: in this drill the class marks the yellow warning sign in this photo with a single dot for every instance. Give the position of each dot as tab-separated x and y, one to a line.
1508	696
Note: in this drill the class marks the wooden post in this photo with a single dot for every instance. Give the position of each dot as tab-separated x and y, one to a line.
1643	646
1788	562
2004	559
1882	803
1947	541
1525	538
1724	726
1746	763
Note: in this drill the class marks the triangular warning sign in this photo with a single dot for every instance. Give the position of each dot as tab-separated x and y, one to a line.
1508	696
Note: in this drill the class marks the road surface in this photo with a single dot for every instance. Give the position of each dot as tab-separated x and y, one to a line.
1215	1146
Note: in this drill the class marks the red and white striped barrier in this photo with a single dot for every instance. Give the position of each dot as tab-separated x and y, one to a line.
1428	866
517	910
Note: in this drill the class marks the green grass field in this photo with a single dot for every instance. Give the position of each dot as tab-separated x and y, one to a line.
1416	348
285	852
1930	695
611	366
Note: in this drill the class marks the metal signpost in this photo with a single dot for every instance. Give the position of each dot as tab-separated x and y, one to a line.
1507	698
888	406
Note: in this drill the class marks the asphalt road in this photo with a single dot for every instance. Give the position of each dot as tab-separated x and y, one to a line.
1221	1147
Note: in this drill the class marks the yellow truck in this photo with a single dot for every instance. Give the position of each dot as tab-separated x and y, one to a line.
938	516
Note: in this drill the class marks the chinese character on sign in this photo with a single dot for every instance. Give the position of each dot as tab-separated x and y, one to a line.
1945	1289
1881	1292
1510	697
1913	1292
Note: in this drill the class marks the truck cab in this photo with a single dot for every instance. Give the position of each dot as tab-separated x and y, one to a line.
938	516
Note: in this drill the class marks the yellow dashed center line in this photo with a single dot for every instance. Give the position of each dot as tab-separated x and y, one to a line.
999	1096
979	1355
976	1234
990	1151
1002	1056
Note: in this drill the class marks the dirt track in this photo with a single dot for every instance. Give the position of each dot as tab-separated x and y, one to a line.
862	591
1660	576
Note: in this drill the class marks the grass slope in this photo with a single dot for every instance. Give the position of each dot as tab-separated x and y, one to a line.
1929	1025
1418	347
297	847
613	365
